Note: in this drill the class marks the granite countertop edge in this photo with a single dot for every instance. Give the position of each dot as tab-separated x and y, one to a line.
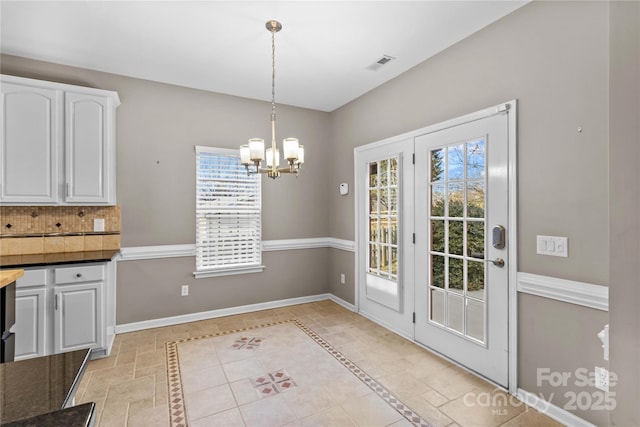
39	260
75	416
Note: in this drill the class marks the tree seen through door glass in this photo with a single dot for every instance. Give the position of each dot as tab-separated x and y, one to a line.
457	247
383	218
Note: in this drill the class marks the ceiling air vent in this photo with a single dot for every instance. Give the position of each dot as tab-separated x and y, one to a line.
380	62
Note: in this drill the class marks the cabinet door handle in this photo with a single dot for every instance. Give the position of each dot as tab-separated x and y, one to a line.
68	189
79	275
56	302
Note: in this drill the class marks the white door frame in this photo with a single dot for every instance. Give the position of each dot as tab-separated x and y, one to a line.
509	108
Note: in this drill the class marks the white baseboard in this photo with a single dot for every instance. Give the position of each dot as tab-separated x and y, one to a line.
212	314
551	410
585	294
342	302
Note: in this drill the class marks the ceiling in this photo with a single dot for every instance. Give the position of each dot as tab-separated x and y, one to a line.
324	52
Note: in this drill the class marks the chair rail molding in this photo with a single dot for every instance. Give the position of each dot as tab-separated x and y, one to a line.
187	250
569	291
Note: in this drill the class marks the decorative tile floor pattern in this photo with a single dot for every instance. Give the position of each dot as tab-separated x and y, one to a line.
272	383
131	386
278	381
247	343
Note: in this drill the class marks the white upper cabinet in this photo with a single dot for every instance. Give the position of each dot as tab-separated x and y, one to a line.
88	160
58	144
29	149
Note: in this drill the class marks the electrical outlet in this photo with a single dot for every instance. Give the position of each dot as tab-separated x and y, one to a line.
184	290
98	224
342	279
602	378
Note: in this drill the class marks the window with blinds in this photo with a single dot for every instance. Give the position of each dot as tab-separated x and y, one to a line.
228	214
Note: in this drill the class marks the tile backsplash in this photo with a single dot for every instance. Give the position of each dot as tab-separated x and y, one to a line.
52	229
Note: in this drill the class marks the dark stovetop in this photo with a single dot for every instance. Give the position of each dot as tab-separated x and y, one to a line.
40	385
21	261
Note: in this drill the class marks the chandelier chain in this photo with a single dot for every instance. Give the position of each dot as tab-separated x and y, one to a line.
273	73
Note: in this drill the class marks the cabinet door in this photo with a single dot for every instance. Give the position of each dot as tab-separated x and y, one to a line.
30	144
88	148
78	317
30	323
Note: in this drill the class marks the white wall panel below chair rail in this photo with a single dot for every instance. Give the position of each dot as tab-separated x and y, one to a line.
569	291
173	251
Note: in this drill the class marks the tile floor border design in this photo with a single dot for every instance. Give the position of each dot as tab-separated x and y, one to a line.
178	416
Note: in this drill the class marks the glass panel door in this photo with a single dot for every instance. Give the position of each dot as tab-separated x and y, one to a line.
461	296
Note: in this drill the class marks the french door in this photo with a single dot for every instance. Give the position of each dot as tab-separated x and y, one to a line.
385	230
433	223
461	267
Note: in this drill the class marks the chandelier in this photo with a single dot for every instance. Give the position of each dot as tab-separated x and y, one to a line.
253	153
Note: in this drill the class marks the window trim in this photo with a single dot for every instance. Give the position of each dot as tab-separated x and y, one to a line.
222	270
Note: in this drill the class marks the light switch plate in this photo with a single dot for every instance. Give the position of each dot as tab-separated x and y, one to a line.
552	245
98	224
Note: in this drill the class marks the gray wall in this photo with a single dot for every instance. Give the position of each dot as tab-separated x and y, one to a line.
624	188
553	57
158	126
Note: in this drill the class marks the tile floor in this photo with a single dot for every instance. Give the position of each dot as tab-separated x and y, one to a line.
130	387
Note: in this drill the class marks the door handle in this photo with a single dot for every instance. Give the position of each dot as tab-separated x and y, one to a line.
498	262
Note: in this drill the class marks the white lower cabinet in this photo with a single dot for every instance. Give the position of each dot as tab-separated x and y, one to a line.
78	321
30	322
65	308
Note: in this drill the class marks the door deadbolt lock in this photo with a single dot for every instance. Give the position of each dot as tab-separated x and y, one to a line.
498	237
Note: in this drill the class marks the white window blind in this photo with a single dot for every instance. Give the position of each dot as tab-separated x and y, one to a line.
228	214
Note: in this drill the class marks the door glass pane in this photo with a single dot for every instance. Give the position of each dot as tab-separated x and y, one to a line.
384	201
457	238
475	239
455	312
455	164
437	235
475	199
437	200
373	174
475	279
475	319
393	171
384	169
393	201
373	201
437	165
456	275
394	261
373	258
373	229
475	160
456	199
437	306
437	271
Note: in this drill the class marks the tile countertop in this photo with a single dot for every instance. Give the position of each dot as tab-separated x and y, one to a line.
9	276
13	261
37	386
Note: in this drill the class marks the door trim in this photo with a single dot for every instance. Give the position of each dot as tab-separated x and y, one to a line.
509	108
